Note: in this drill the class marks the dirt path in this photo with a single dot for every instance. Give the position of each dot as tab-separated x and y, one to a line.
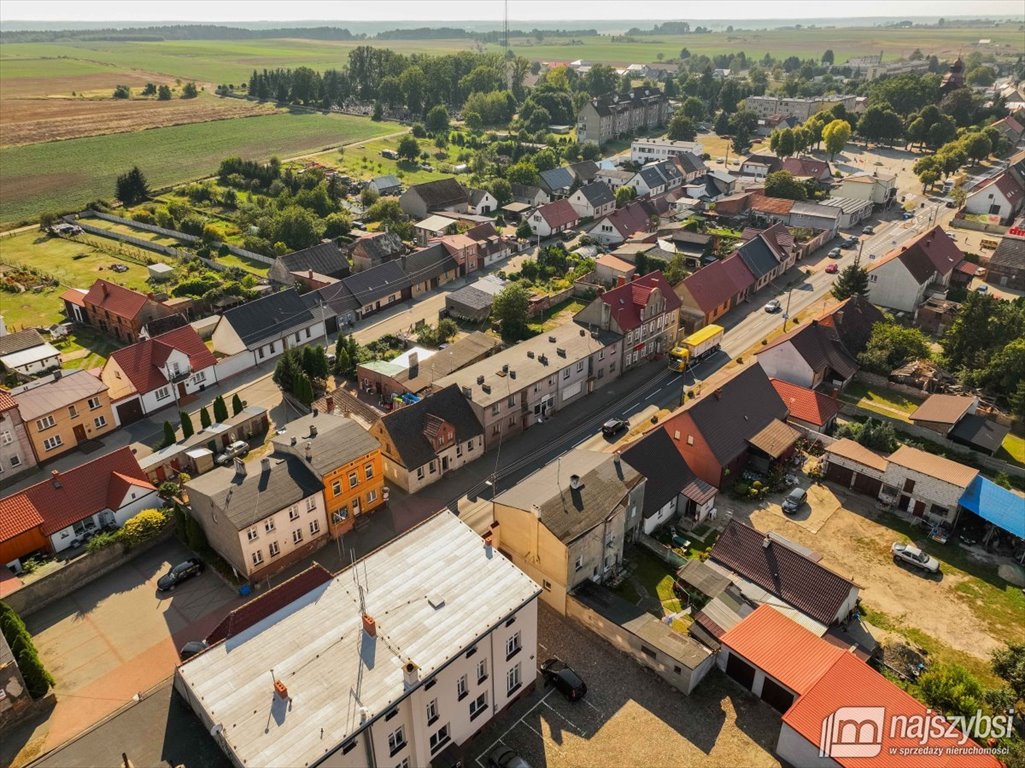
858	547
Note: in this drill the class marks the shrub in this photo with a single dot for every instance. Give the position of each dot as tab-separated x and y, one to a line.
741	489
142	526
37	679
101	541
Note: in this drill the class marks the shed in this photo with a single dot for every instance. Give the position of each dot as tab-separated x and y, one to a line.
160	272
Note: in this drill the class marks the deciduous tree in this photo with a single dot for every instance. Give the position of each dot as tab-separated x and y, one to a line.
836	135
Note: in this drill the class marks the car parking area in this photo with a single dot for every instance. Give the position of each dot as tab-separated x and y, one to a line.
118	635
629	717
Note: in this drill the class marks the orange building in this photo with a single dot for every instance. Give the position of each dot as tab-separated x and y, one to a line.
346	458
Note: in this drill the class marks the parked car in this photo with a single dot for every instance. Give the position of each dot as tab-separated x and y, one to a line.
850	242
908	553
614	426
179	573
834	253
907	215
983	288
238	449
980	272
503	757
832	269
868	229
773	306
191	648
795	499
566	681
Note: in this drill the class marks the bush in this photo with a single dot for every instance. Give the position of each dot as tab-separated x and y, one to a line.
741	489
101	541
142	526
37	679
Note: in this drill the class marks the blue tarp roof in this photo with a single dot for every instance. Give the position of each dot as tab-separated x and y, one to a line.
995	504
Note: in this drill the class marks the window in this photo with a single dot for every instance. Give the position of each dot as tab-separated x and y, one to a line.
353	479
580	366
260	352
163	393
94	403
469	445
432	467
397	740
496	429
512	645
72	411
252	534
512	401
348	746
307	333
44	423
419	473
274	549
601	354
311	503
199	378
677	669
459	449
547	585
391	714
432	711
512	680
440	738
293	512
650	653
482	671
269	525
579	563
257	557
15	461
368	471
100	421
371	496
512	421
461	687
404	763
52	442
495	409
6	438
314	527
336	487
297	536
909	485
565	374
478	705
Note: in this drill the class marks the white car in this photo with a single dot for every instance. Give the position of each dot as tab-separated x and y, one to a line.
773	307
908	553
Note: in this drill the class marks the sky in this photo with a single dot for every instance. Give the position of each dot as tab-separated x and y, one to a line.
220	11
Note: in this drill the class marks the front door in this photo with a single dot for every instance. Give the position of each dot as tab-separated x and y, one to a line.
444	463
919	508
355	507
80	433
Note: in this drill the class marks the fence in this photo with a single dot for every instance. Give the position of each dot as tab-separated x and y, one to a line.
960	452
138	242
661	551
978	226
143	226
875	380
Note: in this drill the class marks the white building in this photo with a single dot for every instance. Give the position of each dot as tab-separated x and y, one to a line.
39	359
651	150
375	668
801	108
264	328
878	188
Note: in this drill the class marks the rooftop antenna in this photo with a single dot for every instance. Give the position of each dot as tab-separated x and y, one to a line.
356	580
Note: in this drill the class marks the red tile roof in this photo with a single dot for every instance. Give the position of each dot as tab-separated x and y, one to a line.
806	404
17	515
849	682
74	295
74	494
269	602
713	285
629	299
6	401
558	213
142	361
941	251
631	218
116	299
806	166
782	648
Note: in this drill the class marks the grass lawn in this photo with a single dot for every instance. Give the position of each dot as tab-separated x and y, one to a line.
365	161
249	265
65	175
1012	449
75	265
86	348
718	147
656	577
557	315
141	234
884	401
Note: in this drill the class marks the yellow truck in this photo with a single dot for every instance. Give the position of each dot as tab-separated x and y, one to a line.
697	346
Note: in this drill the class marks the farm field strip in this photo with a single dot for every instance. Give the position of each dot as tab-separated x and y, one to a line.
65	175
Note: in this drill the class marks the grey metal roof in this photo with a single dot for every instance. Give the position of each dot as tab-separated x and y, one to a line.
597	193
323	258
758	257
433	591
406	426
652	176
338	440
16	342
440	194
428	263
371	284
269	316
569	512
471	298
555	179
336	297
45	395
655	456
246	499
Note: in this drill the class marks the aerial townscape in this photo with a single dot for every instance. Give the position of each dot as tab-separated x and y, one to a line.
512	384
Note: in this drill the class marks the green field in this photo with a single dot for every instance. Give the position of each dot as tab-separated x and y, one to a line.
365	161
75	265
64	175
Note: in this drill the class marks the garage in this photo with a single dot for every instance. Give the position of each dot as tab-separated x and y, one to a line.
776	696
840	475
129	411
740	670
869	486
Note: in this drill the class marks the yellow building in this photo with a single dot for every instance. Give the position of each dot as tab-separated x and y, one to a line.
62	410
345	457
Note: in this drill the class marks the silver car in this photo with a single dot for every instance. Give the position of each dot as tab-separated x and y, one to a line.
238	449
909	553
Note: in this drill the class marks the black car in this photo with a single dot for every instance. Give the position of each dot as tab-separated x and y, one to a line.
566	681
503	757
191	648
178	574
614	426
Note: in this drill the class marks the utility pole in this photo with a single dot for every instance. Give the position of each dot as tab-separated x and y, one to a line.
786	312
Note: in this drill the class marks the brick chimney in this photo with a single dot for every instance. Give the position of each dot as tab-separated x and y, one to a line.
55	478
369	625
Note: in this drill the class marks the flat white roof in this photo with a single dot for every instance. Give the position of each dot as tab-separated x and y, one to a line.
30	355
434	591
403	359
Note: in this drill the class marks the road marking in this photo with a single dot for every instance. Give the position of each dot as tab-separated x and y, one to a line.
652	395
593	707
510	728
577	728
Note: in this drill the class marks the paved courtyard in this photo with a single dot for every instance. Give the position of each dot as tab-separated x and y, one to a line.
118	636
630	717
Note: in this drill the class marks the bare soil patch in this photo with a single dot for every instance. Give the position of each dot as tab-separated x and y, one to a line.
41	87
31	121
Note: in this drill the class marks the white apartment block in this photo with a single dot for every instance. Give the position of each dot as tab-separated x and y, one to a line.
375	667
802	109
652	150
